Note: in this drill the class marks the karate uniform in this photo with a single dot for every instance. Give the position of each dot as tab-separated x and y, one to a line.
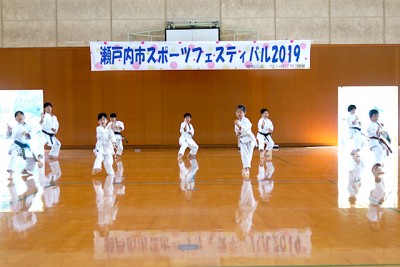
375	145
186	139
246	141
118	128
104	149
17	134
48	136
264	137
355	131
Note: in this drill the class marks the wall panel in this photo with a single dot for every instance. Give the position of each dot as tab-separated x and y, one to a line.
302	103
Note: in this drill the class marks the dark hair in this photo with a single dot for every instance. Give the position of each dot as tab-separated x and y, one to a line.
263	110
351	107
17	113
101	115
113	115
243	108
373	112
45	105
186	115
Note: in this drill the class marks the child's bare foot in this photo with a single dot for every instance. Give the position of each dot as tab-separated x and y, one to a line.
246	174
95	171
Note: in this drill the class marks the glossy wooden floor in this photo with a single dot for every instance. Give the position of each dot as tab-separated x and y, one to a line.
301	215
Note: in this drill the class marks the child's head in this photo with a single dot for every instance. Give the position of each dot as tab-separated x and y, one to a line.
352	109
240	111
264	113
187	117
19	116
113	117
102	119
374	115
47	107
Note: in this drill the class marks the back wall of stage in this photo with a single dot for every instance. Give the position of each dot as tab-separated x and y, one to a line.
302	103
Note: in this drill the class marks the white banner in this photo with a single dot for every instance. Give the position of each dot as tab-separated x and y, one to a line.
286	54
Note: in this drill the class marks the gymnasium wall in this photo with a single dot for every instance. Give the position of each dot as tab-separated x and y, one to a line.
61	23
302	103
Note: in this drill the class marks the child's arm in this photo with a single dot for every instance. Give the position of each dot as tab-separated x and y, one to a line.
9	131
27	132
113	140
42	118
55	126
271	127
121	126
183	127
261	124
191	132
237	124
246	125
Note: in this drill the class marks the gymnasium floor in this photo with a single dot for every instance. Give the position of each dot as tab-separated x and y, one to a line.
310	210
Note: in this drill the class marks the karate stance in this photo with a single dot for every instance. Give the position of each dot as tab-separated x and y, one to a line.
50	127
264	137
246	139
21	136
186	138
117	127
105	146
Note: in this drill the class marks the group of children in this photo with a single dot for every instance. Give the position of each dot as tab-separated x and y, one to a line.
21	134
246	139
109	134
109	142
109	137
378	138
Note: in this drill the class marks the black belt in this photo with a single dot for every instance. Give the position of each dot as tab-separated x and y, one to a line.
22	146
265	135
123	137
356	128
383	142
49	134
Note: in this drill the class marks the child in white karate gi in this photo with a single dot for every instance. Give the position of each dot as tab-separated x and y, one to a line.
105	146
354	130
246	139
20	147
50	127
264	137
186	138
117	127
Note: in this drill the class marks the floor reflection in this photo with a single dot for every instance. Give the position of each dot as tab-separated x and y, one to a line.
107	194
187	176
356	180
